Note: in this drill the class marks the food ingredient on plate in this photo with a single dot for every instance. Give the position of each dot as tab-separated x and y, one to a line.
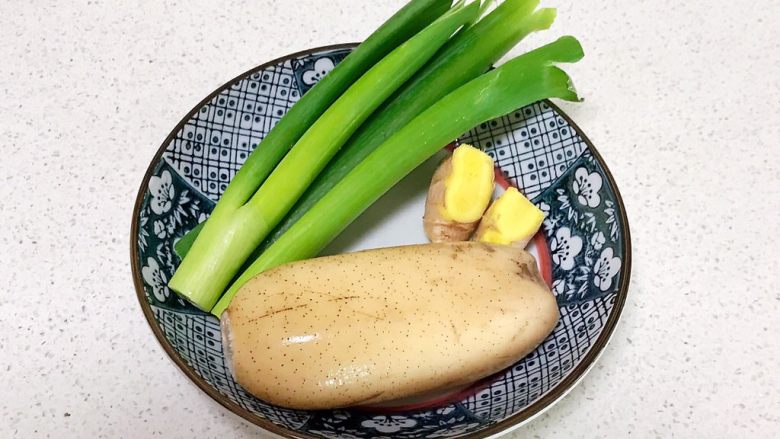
378	325
226	241
511	220
519	82
407	22
469	54
460	191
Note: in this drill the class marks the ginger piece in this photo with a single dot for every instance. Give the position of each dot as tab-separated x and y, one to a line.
511	220
460	191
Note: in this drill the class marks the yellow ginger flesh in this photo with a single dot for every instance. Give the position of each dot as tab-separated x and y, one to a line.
511	220
469	187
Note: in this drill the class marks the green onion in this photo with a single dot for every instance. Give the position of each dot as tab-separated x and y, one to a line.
228	240
184	244
468	55
522	81
407	22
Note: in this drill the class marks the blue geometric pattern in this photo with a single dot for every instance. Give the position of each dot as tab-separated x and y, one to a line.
583	231
216	141
198	340
540	371
534	147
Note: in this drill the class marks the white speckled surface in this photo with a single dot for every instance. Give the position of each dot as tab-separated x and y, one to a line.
683	101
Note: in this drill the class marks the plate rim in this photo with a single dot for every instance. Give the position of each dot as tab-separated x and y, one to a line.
510	423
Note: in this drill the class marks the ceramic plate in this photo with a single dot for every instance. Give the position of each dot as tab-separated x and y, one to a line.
583	252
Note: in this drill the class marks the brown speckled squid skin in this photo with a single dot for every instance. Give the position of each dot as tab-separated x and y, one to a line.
384	324
437	228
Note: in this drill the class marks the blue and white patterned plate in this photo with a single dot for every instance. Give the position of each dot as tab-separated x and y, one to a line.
583	250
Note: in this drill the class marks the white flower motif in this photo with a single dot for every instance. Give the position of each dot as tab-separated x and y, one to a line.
445	410
164	229
565	248
598	240
544	207
156	279
335	434
454	431
606	268
389	424
586	187
162	192
559	287
321	68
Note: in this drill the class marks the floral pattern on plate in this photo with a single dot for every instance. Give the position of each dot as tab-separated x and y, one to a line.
171	208
583	231
448	421
310	69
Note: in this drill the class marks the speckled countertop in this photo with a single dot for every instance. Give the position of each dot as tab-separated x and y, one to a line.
683	101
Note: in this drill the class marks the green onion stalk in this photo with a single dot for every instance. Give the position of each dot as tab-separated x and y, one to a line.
519	82
470	54
231	234
407	22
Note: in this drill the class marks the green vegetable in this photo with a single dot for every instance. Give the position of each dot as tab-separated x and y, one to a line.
483	9
407	22
470	53
522	81
184	244
227	240
467	56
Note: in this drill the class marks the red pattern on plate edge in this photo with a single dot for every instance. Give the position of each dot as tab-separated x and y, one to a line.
545	267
